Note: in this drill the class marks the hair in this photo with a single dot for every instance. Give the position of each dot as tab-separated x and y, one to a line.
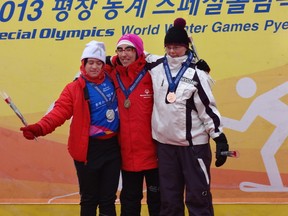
85	61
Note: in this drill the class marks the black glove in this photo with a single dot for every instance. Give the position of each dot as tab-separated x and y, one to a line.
108	60
221	145
202	65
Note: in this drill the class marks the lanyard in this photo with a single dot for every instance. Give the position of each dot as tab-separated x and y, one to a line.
128	91
108	102
173	85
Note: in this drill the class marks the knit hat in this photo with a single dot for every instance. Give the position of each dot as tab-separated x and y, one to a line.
94	49
132	40
177	34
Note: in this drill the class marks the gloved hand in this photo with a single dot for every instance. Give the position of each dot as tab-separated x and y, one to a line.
32	131
221	145
109	60
202	65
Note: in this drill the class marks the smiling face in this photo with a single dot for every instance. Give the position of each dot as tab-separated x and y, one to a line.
175	50
93	67
127	54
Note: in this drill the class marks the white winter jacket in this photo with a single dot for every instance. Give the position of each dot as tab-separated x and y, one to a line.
193	118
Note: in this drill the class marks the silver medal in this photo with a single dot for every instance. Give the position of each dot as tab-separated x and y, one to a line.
110	114
171	97
127	103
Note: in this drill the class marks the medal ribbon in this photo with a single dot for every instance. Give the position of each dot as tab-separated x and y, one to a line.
108	102
128	91
173	85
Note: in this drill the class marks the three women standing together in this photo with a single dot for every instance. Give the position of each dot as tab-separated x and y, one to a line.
167	115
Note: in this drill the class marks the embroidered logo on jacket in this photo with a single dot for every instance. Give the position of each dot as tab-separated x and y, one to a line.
190	81
146	94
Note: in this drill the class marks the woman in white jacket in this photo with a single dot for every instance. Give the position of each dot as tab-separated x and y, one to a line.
184	118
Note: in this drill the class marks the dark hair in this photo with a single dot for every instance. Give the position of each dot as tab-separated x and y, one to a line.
85	61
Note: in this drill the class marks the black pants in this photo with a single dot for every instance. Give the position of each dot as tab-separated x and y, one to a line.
132	192
98	179
185	170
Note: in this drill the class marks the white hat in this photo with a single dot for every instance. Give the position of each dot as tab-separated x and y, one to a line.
94	49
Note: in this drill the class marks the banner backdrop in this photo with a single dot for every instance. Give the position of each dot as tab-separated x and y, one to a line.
244	42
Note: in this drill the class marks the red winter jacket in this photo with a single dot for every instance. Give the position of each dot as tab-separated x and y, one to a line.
71	103
137	147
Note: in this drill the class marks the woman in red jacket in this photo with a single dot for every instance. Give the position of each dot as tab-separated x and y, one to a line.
135	101
93	141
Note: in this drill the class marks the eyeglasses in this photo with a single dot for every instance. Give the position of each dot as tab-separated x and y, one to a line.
174	48
128	50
